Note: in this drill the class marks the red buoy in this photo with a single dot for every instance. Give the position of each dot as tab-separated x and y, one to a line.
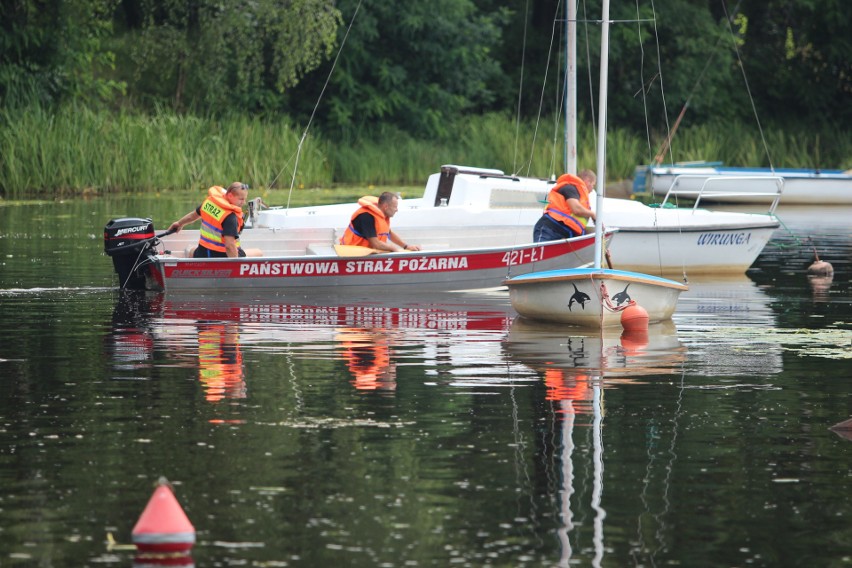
163	526
634	340
634	318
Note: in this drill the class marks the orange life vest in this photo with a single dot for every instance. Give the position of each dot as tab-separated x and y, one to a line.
558	208
369	204
214	209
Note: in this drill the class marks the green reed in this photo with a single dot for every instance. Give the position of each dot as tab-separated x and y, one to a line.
74	149
738	144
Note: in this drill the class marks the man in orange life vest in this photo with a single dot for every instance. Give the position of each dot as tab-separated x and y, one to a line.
221	217
568	209
370	225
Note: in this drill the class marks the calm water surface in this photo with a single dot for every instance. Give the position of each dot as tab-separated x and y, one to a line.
420	431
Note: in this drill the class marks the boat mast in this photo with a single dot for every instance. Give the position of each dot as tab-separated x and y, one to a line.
601	169
571	87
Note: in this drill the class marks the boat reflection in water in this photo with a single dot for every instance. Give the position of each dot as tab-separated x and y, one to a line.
199	339
731	320
367	353
130	346
220	360
578	365
217	333
722	328
457	339
558	350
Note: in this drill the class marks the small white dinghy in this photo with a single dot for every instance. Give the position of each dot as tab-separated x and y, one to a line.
593	297
596	297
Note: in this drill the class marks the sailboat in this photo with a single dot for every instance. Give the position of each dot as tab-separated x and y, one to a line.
465	199
596	297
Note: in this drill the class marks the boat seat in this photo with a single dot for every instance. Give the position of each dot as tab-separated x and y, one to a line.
321	249
278	252
434	246
187	252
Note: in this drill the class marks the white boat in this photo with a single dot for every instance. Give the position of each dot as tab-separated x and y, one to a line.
662	241
296	261
596	297
751	185
592	297
719	328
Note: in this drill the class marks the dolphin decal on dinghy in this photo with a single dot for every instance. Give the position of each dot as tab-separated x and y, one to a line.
622	297
579	297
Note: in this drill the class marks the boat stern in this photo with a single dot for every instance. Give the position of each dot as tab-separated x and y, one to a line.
129	242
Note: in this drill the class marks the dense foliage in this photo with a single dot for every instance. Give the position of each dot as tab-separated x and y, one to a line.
418	65
222	56
409	63
399	70
56	51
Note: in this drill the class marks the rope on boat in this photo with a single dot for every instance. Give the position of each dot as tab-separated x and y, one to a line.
150	243
314	111
136	264
607	303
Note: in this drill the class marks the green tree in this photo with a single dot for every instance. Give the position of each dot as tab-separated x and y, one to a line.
662	56
410	64
225	56
55	50
798	54
529	58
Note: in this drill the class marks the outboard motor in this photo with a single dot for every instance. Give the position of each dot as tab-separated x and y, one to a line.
129	242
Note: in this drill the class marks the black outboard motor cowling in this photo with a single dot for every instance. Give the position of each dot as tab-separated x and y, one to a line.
128	241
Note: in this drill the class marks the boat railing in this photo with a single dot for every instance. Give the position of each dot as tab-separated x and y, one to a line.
720	187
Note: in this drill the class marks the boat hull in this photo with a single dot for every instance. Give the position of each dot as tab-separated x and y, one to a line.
692	252
677	241
592	298
800	187
457	269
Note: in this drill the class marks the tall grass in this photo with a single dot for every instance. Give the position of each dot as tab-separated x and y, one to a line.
77	150
737	144
529	148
